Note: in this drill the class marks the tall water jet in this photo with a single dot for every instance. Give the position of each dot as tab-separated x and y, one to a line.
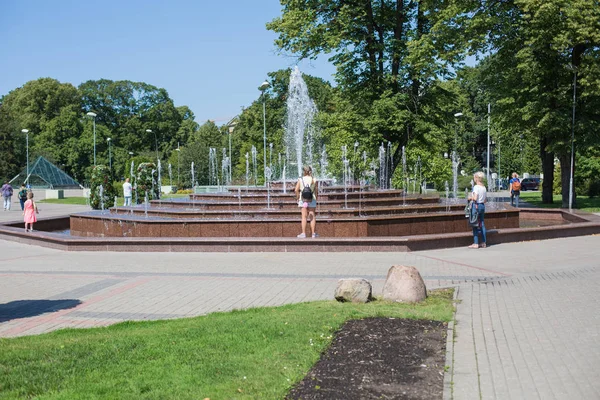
212	166
247	172
324	163
254	166
404	177
159	180
382	168
300	134
455	162
170	176
100	196
193	186
391	168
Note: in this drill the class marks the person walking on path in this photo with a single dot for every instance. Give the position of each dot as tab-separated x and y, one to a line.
22	196
127	192
479	197
515	189
306	189
7	192
29	214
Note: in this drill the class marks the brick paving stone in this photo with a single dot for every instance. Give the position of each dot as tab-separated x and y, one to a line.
526	323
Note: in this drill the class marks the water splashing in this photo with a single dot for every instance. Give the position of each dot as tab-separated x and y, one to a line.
300	132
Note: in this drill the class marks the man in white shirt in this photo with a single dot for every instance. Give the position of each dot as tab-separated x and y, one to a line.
127	192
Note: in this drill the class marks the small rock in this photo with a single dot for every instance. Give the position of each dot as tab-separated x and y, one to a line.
404	284
354	290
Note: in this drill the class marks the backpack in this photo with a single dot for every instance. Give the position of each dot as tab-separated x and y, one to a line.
516	186
23	194
307	194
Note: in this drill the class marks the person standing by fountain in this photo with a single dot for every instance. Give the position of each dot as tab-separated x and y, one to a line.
127	192
31	209
306	189
515	189
7	192
479	197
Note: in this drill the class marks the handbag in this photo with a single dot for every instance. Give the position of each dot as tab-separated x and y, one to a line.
471	214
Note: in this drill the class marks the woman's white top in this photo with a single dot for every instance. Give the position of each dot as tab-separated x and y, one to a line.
480	192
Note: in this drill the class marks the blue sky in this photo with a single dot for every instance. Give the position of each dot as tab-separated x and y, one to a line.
209	55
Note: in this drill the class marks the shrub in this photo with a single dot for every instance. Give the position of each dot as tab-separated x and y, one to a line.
145	182
101	181
594	189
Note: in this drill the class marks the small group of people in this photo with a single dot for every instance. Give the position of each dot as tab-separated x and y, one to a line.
28	206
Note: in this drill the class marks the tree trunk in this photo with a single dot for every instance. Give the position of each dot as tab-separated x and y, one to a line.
565	178
547	170
370	39
398	31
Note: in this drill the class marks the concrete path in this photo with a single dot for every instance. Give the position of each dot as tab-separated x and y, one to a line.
526	325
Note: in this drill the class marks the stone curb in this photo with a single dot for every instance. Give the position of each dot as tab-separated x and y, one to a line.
449	375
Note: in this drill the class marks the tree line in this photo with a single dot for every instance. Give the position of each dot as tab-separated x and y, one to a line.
401	79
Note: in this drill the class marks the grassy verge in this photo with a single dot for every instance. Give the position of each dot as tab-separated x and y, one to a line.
252	354
66	200
584	203
82	200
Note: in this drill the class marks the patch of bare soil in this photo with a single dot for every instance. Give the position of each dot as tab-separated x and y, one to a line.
379	358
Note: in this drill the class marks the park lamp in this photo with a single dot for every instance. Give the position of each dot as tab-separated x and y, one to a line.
264	86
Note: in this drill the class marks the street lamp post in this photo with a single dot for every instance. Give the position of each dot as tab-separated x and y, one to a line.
109	155
574	69
93	115
155	142
26	132
456	116
264	86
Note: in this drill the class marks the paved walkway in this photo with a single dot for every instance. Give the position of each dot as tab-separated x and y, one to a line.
526	324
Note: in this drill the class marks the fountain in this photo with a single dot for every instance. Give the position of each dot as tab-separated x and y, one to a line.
262	219
170	176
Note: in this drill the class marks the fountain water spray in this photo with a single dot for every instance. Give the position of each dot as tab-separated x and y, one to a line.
159	180
391	168
212	166
455	163
247	172
170	176
254	166
193	178
404	177
100	196
382	168
300	134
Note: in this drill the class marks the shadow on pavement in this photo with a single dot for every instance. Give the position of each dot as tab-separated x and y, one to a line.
30	308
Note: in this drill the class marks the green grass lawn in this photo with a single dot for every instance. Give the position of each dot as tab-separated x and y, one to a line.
66	200
252	354
82	200
584	203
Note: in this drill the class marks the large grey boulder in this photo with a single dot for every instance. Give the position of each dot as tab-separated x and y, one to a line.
354	290
404	284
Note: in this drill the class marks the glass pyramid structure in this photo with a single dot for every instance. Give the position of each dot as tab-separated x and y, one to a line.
44	174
